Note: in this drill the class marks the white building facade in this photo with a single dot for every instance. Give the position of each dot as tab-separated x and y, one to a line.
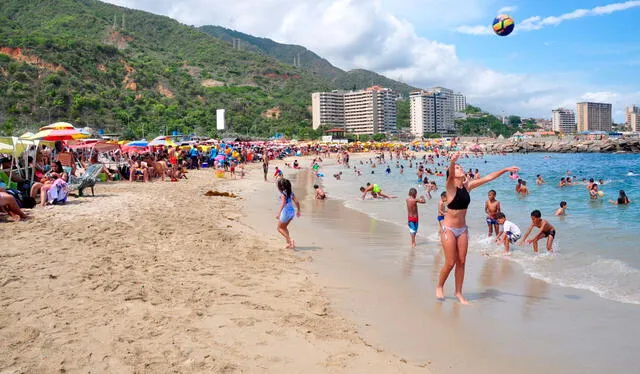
429	113
632	118
564	120
365	112
459	102
327	108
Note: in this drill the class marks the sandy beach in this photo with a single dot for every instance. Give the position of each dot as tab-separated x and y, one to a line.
156	278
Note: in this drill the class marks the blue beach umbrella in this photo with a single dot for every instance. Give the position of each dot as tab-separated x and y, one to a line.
138	143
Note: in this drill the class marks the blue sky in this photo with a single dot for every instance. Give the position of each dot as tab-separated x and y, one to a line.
562	52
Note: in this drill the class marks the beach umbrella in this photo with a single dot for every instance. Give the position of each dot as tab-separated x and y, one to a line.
162	141
138	143
58	131
219	158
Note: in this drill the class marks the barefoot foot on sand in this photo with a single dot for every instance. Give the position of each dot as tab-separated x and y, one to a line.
439	293
462	299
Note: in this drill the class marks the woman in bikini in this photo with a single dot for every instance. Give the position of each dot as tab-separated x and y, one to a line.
455	236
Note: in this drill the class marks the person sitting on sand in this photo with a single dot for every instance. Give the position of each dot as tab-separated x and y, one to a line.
320	194
623	199
9	205
55	181
138	167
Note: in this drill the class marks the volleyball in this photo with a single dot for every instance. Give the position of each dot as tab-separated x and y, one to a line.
503	25
600	193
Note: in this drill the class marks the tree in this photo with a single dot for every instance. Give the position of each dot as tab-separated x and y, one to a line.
514	120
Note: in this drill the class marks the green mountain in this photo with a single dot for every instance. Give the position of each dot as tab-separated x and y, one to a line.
132	72
307	60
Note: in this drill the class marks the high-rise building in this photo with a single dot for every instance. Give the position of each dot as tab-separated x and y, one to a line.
564	120
632	118
449	117
365	112
459	102
327	108
428	111
594	117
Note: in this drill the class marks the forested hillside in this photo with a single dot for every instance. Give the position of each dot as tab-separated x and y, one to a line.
128	71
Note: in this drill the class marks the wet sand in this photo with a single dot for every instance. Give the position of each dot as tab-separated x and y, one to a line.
515	323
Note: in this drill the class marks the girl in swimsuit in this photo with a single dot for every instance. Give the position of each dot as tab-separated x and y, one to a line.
455	237
286	211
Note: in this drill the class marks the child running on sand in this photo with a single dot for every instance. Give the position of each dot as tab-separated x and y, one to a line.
287	211
442	209
510	232
546	231
492	208
412	213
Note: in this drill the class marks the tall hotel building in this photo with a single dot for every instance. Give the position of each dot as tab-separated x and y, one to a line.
459	102
431	112
365	112
563	120
594	117
632	118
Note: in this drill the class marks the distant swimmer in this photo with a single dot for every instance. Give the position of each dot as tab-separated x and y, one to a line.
623	199
376	192
562	211
492	208
563	182
510	233
524	190
546	231
540	180
594	194
631	174
320	194
412	213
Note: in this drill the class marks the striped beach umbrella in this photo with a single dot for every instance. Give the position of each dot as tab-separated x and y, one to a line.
58	131
162	141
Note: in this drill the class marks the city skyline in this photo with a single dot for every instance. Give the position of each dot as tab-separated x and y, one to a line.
560	53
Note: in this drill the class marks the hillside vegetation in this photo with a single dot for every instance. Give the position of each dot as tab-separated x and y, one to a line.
69	60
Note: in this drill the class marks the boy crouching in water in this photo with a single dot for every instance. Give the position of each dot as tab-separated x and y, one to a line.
412	212
510	232
546	231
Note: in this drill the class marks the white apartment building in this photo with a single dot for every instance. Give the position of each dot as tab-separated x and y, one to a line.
632	118
459	102
449	117
594	117
563	120
428	112
365	112
327	109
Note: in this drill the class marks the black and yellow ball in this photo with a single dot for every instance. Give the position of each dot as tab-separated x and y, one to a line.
503	25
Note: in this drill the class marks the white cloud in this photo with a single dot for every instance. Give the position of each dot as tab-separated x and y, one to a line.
475	30
507	9
369	34
537	22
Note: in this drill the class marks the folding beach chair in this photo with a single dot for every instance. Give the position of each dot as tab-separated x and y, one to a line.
86	180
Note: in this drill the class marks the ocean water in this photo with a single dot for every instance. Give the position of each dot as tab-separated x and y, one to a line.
597	247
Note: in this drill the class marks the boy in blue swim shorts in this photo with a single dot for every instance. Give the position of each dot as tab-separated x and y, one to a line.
412	213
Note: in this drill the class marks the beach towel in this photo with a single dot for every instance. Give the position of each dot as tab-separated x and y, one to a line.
57	194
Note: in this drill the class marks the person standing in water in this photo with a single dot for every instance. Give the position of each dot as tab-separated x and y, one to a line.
287	211
455	235
492	208
412	213
623	199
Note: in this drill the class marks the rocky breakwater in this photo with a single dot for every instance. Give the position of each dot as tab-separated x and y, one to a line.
577	146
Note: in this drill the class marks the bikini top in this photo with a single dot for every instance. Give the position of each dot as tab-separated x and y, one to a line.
461	200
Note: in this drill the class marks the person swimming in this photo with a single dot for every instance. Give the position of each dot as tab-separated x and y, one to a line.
623	199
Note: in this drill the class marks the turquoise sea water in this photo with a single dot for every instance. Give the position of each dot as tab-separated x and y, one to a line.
597	245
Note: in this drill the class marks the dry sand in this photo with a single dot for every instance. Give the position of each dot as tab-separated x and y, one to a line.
156	278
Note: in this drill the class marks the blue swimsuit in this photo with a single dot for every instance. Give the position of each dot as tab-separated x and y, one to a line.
288	212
